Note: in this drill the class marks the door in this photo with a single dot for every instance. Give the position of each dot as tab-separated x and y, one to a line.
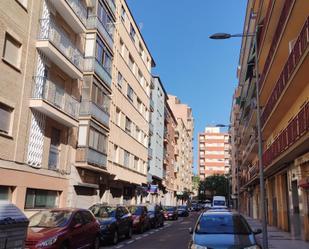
295	215
78	238
54	151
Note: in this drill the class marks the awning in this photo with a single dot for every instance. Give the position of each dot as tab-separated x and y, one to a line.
304	183
87	185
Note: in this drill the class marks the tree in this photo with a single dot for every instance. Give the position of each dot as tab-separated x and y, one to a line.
215	185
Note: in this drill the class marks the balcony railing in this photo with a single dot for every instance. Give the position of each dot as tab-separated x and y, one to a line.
253	171
91	156
151	128
53	159
149	152
297	128
90	108
284	14
299	48
106	30
56	96
49	31
151	105
112	5
93	65
79	9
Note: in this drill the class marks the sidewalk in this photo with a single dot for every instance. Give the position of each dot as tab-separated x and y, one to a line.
278	239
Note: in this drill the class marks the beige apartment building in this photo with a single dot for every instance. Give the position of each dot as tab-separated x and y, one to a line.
213	152
184	145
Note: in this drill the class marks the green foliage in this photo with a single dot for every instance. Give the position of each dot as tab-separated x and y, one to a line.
213	185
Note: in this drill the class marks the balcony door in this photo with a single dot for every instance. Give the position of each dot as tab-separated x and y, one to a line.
54	151
59	91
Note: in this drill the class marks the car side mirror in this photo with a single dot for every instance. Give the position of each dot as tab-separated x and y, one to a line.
77	225
190	230
258	231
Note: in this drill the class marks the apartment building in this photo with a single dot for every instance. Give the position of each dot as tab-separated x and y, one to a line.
213	152
184	145
156	172
171	153
282	50
130	111
42	43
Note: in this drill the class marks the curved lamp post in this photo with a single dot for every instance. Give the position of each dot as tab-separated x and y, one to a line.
221	36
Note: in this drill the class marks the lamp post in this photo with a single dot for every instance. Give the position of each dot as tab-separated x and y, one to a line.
220	36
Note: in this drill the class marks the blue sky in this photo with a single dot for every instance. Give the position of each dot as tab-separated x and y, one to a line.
200	71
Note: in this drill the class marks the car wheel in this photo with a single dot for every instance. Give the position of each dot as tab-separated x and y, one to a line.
115	238
64	246
130	232
96	243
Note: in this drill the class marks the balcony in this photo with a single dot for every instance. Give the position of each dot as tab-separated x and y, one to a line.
73	12
92	65
87	155
250	150
149	153
53	159
151	105
57	46
106	30
291	65
295	130
88	108
253	171
151	129
111	4
53	101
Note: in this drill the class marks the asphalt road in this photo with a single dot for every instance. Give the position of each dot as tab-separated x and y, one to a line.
174	235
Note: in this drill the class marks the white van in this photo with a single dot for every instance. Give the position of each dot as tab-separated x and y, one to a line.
219	202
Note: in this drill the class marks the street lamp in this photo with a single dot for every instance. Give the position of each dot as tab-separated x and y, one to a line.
220	36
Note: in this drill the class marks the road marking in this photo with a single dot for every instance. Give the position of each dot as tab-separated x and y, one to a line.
137	238
119	246
145	235
130	242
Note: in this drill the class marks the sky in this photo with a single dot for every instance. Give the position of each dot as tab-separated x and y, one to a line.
200	71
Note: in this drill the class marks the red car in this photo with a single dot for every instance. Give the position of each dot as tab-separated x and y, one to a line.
63	229
140	217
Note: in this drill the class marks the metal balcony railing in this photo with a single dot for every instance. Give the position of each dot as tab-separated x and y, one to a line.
106	29
292	61
53	159
93	65
298	127
79	9
56	96
101	114
91	156
283	17
112	5
51	32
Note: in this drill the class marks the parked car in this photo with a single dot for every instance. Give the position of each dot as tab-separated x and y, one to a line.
141	221
195	207
63	228
114	222
183	211
219	202
223	230
155	214
170	213
207	204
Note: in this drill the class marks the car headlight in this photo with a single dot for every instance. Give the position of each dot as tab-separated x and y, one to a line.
253	247
195	246
47	242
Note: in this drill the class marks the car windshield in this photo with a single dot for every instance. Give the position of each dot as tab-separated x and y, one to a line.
169	208
182	207
151	208
219	203
50	219
103	211
222	224
136	210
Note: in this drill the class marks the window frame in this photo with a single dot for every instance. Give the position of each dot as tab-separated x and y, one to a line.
12	39
10	111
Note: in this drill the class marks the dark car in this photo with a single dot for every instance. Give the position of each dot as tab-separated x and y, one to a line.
155	214
170	213
114	222
140	218
63	228
223	230
183	211
195	207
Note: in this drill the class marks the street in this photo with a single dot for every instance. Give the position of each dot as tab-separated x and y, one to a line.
174	234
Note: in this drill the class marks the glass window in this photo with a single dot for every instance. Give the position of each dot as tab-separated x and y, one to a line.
78	219
5	193
103	56
130	92
126	158
12	50
120	80
128	125
131	63
5	120
88	218
118	117
105	19
123	14
37	198
103	211
132	32
97	141
50	219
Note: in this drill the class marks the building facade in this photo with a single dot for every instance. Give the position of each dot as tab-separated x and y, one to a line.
213	152
282	47
184	145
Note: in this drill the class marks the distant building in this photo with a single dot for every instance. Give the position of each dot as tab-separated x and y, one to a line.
213	152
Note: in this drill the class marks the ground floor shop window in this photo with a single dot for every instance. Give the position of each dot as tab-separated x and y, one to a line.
37	198
5	193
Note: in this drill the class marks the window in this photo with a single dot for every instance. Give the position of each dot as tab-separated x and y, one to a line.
141	50
38	198
97	141
103	56
123	14
135	165
116	153
139	105
126	158
88	218
130	92
140	77
132	32
100	98
128	125
131	63
54	151
12	51
5	193
5	120
105	19
120	80
24	3
118	117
